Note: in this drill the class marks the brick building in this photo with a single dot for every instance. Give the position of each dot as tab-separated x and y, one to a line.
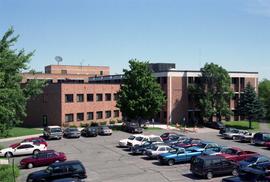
73	97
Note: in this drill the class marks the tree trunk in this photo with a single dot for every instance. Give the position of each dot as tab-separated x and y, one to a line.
250	120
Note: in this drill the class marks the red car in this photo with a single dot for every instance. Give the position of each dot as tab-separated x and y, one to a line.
236	154
189	142
35	140
267	144
43	158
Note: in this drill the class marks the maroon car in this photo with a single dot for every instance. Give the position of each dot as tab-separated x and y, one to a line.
35	140
43	158
189	142
236	154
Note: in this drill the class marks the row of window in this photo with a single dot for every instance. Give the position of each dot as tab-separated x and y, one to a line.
89	97
90	115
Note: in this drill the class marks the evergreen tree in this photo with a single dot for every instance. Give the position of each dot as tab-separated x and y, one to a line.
14	96
140	96
249	105
264	95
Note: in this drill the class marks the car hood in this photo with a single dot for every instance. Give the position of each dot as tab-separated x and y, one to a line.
6	149
195	148
73	132
210	152
124	140
38	174
225	155
243	164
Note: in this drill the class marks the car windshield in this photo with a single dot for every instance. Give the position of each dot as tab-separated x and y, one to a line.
155	139
187	141
229	151
173	151
252	159
73	129
49	169
165	135
56	130
154	147
131	137
201	145
139	138
104	127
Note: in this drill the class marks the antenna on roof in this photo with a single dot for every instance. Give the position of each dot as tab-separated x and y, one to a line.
58	59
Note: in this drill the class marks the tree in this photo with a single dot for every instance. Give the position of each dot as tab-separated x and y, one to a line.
212	92
249	105
264	95
14	96
140	96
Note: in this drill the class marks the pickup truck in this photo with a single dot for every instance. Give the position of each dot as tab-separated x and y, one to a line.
237	155
177	154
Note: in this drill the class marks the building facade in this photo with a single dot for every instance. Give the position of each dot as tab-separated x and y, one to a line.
76	98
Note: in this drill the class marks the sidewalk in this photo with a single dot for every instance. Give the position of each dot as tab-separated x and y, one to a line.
18	138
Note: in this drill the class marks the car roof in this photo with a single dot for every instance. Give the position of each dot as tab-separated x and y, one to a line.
66	162
207	142
46	151
53	126
210	157
25	143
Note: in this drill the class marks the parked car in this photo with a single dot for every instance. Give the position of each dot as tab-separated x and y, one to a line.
67	180
132	127
203	146
43	158
91	131
141	140
254	160
175	139
189	142
35	140
141	149
53	132
261	138
246	137
215	125
22	149
73	169
124	142
72	133
214	150
210	166
233	134
156	150
168	135
104	130
236	154
225	130
176	155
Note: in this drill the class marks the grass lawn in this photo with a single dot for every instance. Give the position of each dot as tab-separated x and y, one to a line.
20	131
244	125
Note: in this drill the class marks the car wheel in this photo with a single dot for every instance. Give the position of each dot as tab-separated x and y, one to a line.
8	154
30	165
235	172
36	152
171	162
209	175
234	138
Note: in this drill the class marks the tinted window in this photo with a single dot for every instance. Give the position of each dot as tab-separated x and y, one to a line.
161	149
25	146
201	145
131	137
75	168
56	130
139	138
216	162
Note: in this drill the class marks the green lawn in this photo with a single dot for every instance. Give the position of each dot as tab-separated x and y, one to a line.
20	131
244	125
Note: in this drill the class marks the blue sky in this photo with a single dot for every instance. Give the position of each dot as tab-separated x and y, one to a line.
232	33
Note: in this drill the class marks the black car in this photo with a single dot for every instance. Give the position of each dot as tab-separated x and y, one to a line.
67	180
132	127
72	133
69	169
175	139
209	166
260	138
215	125
91	131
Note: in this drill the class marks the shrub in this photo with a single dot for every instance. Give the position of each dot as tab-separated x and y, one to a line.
72	126
83	125
6	173
119	121
112	122
103	123
94	124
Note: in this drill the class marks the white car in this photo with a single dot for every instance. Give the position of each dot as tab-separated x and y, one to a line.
142	139
124	142
155	150
22	149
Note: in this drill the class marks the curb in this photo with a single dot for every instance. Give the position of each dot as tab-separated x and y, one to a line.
20	137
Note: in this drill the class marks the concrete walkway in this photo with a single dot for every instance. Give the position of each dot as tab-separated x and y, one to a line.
264	126
18	138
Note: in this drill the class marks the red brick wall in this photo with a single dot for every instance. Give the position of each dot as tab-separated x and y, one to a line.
70	69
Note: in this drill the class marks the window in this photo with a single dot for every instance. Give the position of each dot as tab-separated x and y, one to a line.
80	97
116	113
108	114
80	116
99	97
25	146
90	116
99	115
69	117
69	98
101	72
190	80
90	97
164	80
115	96
162	149
108	97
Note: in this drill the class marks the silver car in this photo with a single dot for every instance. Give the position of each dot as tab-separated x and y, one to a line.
104	130
53	132
155	150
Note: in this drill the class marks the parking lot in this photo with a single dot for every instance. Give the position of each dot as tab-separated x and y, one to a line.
105	161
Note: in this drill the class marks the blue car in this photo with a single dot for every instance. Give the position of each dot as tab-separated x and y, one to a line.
203	146
252	161
177	154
